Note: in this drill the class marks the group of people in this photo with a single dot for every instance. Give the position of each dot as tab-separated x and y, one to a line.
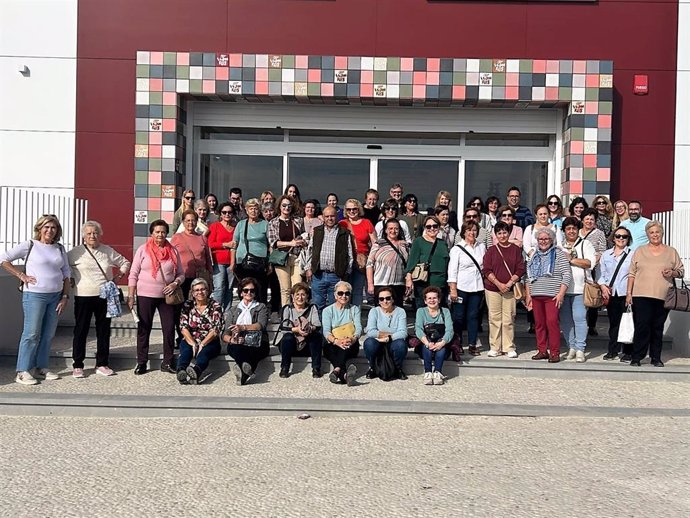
322	264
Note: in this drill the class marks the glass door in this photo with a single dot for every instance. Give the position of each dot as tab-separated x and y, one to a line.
316	176
486	178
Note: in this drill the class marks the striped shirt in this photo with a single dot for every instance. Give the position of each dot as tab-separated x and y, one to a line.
549	286
387	265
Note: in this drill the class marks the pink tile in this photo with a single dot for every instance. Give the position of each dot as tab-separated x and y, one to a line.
552	66
604	121
512	93
603	174
183	58
551	93
154	177
512	79
314	75
261	74
577	147
575	188
592	81
433	65
156	58
155	85
155	137
432	78
367	77
340	62
591	107
208	86
301	62
223	73
155	151
590	161
579	67
167	215
169	98
406	64
154	204
458	92
539	66
366	89
418	91
261	88
235	60
169	125
327	89
419	78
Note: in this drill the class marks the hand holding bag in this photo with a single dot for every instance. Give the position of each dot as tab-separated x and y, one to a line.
678	298
346	330
420	272
176	297
518	287
626	329
279	257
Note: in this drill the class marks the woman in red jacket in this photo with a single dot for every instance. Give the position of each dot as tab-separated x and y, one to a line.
220	240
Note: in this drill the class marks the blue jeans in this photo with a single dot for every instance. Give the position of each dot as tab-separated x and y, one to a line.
207	353
467	313
40	323
313	347
358	281
398	350
433	360
222	285
574	321
322	287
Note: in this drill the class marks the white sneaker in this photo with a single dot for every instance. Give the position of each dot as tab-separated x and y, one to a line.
104	371
571	354
77	373
45	374
512	354
428	378
492	354
25	378
438	378
580	357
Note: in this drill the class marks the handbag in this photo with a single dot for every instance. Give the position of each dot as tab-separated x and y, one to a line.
384	365
120	294
280	257
678	298
518	287
248	338
346	330
26	259
252	263
593	297
434	332
420	272
176	297
626	328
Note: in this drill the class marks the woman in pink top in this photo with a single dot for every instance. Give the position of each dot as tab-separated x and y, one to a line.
156	272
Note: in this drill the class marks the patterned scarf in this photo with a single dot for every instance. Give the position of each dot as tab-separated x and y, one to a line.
541	264
158	254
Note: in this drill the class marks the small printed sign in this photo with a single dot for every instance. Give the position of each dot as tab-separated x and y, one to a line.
167	191
235	87
578	107
341	76
222	60
379	90
156	124
499	65
275	61
141	216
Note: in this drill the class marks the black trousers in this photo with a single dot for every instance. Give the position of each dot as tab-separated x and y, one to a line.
592	317
245	354
84	309
313	347
339	357
649	316
615	310
146	308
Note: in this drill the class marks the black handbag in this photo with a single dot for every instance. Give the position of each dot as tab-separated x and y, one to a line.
434	332
384	366
252	263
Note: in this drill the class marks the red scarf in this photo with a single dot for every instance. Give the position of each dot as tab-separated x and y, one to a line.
158	254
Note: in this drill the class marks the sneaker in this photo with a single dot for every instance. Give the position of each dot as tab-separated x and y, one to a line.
104	370
492	354
438	378
77	373
580	357
333	377
182	377
237	371
571	354
428	378
25	378
45	374
512	354
192	375
350	375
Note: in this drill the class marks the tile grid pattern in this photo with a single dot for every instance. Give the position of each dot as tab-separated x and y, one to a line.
165	79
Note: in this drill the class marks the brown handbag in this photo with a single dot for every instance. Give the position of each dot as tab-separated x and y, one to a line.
678	298
176	297
593	297
518	287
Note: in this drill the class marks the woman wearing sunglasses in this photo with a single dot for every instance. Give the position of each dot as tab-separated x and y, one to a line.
411	216
507	216
342	327
188	198
386	263
222	245
428	260
555	208
286	234
246	332
386	327
363	236
604	215
389	210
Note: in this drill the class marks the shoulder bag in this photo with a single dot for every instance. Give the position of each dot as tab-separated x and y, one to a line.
252	264
279	257
120	295
678	298
346	330
26	260
420	273
518	287
593	297
384	365
434	331
176	297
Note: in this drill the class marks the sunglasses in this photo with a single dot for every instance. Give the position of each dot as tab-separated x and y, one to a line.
621	236
189	197
431	227
386	299
286	205
506	215
389	208
554	203
601	202
226	212
351	209
248	290
471	216
343	293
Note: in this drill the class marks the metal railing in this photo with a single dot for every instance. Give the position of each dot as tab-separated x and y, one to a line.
676	231
20	208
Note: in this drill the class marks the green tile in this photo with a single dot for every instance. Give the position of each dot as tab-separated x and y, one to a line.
182	72
155	164
142	137
526	65
313	89
393	64
591	94
275	74
169	58
289	61
499	79
195	86
405	91
605	107
379	77
142	71
565	93
155	97
459	78
577	133
589	174
141	177
154	215
154	191
169	112
486	65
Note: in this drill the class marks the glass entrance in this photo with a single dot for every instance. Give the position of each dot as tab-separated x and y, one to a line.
493	178
423	178
318	176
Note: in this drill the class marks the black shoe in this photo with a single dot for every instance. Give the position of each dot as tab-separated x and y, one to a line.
626	358
333	377
530	329
658	363
140	369
592	331
247	372
193	375
350	376
316	373
402	375
371	374
610	356
284	372
635	363
168	367
182	377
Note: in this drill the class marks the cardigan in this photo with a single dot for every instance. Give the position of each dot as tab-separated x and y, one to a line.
87	276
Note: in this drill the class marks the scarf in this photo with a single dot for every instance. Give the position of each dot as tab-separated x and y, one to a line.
158	254
245	316
541	264
111	294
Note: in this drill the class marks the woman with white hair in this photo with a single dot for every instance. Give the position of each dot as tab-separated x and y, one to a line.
342	327
93	264
653	268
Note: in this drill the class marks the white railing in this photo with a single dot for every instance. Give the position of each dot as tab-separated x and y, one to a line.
676	231
20	208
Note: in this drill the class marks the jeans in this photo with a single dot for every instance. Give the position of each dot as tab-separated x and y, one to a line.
40	323
433	360
322	288
398	350
313	347
467	312
358	280
649	316
203	358
574	321
84	309
222	285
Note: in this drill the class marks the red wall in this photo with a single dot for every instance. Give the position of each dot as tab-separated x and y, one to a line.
639	36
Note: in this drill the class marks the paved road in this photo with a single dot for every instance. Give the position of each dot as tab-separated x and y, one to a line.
346	466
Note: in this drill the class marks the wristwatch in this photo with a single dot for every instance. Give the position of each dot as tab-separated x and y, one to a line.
65	296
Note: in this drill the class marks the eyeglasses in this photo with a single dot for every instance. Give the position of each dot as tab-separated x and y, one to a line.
189	197
343	293
431	227
227	212
621	236
411	200
389	208
506	215
248	290
385	299
199	290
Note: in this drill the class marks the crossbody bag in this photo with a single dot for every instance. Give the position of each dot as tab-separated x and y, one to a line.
120	295
252	263
420	273
518	287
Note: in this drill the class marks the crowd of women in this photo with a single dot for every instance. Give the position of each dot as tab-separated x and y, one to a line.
453	268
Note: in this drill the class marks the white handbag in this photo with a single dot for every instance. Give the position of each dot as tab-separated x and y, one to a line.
626	329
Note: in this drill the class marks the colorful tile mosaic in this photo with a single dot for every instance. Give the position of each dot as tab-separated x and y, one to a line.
164	80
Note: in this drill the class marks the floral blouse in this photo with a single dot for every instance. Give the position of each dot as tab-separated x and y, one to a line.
200	324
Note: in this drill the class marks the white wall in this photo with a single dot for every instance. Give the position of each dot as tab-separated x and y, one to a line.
38	111
681	184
